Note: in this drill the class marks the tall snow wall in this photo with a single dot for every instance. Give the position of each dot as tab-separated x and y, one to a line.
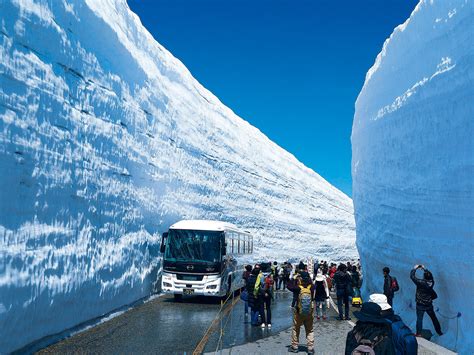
413	165
105	140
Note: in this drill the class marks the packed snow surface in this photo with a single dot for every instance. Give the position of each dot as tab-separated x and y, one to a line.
106	140
413	165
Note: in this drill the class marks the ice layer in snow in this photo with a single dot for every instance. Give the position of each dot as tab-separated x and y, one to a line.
413	165
106	140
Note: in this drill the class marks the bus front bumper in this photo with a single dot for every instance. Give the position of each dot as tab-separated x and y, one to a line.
209	286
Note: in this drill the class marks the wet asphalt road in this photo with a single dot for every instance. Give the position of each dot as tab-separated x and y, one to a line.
163	326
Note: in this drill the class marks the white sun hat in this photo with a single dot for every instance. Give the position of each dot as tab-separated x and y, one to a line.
381	300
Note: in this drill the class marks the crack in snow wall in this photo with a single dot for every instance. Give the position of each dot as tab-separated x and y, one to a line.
413	165
105	140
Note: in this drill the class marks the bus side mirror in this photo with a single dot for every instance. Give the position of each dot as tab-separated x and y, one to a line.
163	242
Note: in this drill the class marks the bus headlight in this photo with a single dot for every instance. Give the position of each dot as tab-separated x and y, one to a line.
211	287
167	284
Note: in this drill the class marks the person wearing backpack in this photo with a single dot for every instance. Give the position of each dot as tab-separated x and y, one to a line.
390	285
304	292
244	294
343	282
372	333
425	294
252	299
403	338
321	296
266	294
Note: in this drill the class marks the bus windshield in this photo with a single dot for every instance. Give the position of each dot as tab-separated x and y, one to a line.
193	246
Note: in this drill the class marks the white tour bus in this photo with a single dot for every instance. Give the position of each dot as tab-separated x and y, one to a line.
204	258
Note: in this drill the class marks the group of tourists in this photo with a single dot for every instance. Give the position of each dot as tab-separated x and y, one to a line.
258	295
378	329
425	294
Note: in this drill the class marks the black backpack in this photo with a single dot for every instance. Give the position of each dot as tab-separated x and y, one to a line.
320	289
367	346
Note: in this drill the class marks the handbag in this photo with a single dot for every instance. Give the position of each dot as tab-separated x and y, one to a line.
244	295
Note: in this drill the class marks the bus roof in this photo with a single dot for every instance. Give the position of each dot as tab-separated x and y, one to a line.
205	225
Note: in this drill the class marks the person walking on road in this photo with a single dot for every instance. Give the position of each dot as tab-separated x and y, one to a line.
425	294
371	334
252	299
303	313
403	338
390	285
343	282
245	277
321	297
266	295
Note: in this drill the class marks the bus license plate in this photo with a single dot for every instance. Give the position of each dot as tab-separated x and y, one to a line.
188	291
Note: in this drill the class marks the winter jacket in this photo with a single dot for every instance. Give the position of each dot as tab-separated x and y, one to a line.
252	300
343	282
369	331
258	284
424	290
246	276
387	286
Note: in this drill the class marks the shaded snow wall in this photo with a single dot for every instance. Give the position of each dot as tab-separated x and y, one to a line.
413	164
105	140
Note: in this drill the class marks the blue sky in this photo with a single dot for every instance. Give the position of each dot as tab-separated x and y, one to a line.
292	68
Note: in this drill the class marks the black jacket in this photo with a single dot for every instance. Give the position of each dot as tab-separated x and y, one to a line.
369	331
424	290
343	281
387	286
252	300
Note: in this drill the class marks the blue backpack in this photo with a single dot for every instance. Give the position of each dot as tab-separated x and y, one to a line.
403	339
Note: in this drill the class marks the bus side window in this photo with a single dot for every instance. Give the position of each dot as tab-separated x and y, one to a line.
228	244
